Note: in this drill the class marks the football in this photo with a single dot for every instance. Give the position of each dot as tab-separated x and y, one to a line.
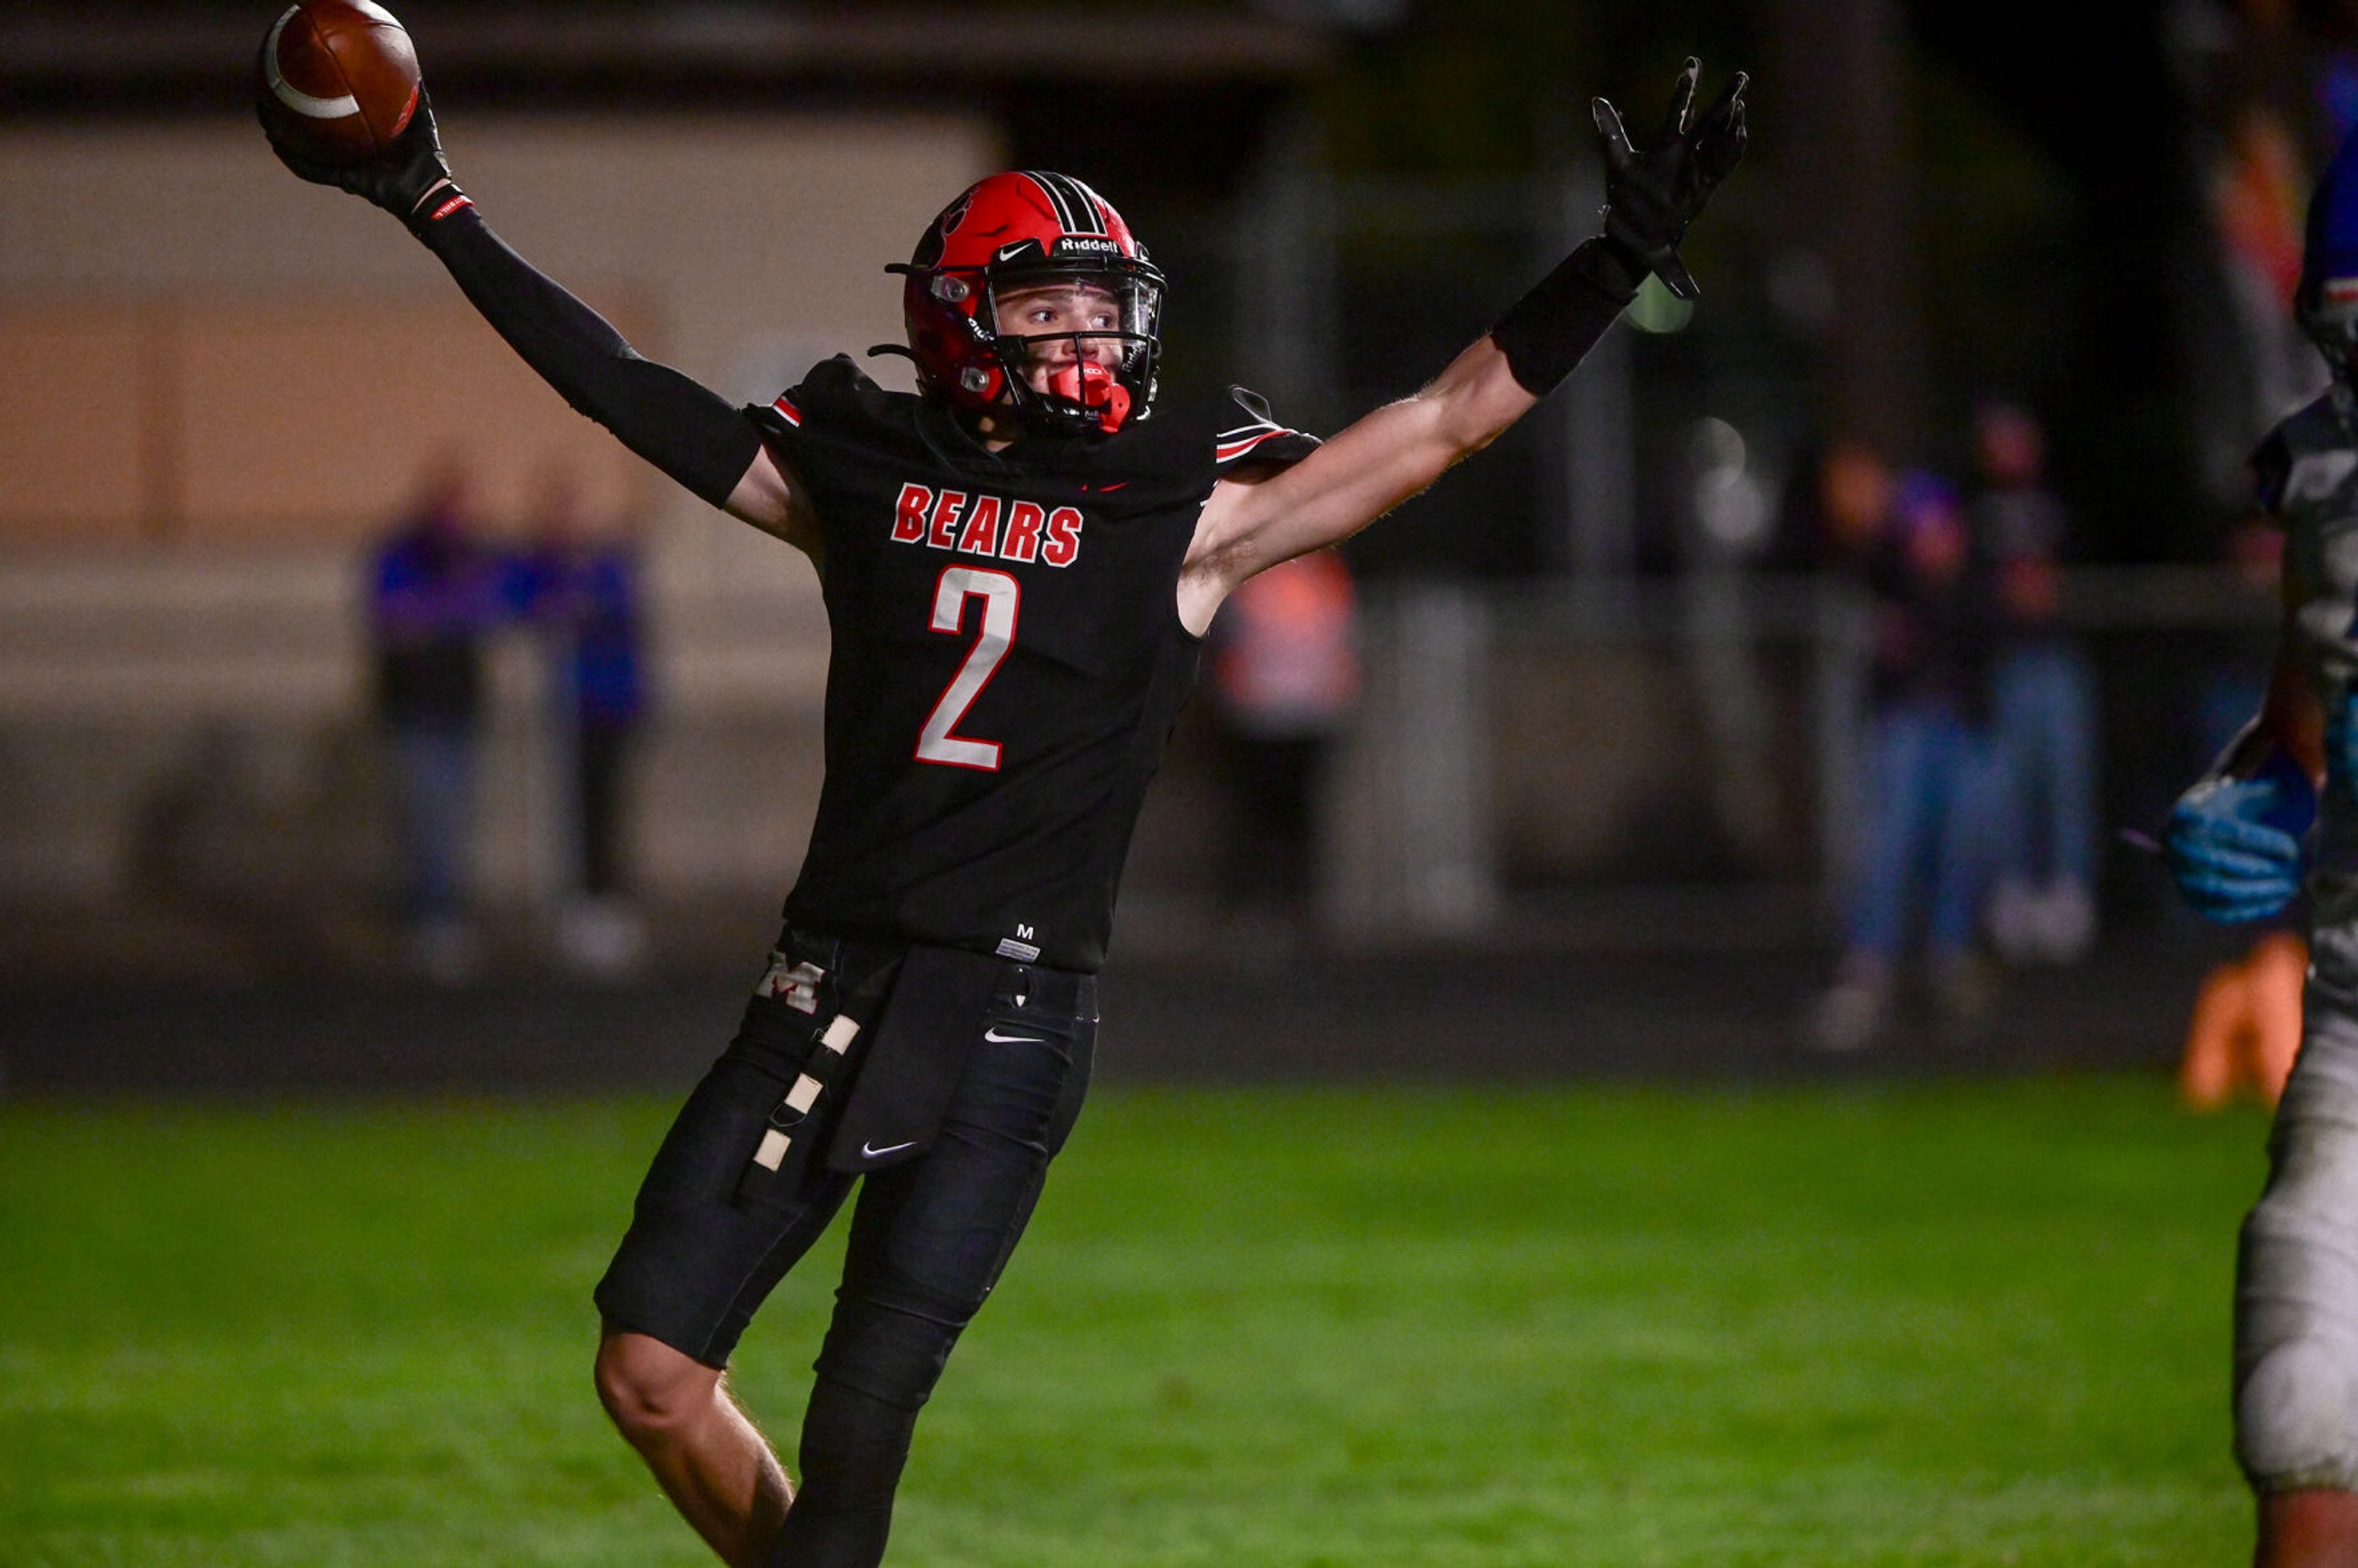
339	80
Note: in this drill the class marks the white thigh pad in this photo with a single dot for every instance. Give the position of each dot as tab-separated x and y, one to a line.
2297	1278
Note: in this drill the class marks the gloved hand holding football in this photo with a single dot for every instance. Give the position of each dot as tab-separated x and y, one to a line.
339	94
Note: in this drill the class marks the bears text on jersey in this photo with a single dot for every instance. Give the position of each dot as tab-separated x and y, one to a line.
980	524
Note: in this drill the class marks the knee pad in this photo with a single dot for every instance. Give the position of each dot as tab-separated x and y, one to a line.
887	1354
2293	1419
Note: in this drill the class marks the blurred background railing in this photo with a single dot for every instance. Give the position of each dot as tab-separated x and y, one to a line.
184	739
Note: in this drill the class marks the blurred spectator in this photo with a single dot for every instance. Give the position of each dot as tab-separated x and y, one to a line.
435	594
1928	754
2259	186
1286	677
1853	506
2043	693
579	593
2261	100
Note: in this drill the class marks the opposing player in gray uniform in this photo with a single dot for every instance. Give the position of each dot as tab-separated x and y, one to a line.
2281	807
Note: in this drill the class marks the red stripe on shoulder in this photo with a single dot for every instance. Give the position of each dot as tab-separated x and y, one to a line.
792	415
1228	451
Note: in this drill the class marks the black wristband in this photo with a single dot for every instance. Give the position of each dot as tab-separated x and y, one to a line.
682	427
1547	331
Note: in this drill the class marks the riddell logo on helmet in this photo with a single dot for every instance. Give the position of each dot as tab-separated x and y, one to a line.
992	525
1087	242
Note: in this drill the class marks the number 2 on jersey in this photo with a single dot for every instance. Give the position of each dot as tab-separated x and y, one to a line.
1000	597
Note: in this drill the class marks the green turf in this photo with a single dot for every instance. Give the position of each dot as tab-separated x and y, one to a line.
1980	1325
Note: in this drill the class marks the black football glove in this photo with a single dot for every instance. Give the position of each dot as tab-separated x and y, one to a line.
1650	197
411	179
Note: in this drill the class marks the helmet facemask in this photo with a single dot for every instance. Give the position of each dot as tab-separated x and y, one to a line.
1099	369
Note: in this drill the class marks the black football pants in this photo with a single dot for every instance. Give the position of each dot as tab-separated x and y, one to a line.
928	1239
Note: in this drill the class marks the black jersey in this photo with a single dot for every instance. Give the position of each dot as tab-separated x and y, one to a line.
1007	659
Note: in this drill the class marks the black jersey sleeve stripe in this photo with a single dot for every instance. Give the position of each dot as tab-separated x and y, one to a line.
1260	437
1291	445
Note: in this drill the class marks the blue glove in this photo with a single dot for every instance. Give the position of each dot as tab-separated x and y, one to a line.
2234	845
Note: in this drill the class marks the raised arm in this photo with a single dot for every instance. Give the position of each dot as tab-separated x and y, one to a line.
1395	451
691	433
1366	469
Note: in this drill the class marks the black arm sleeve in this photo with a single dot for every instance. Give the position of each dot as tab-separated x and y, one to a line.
679	426
1547	331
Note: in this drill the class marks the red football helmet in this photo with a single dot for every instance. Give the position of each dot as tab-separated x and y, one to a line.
1019	229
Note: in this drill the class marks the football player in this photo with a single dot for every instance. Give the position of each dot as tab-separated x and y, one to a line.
1019	564
2239	845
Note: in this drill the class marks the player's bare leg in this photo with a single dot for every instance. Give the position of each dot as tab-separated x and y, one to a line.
2317	1528
706	1452
2279	968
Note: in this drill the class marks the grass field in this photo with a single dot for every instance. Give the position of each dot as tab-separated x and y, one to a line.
1295	1329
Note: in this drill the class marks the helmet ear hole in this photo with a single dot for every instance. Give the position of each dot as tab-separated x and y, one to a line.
951	288
974	379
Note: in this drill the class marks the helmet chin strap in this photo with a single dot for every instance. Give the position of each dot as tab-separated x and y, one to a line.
1094	387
